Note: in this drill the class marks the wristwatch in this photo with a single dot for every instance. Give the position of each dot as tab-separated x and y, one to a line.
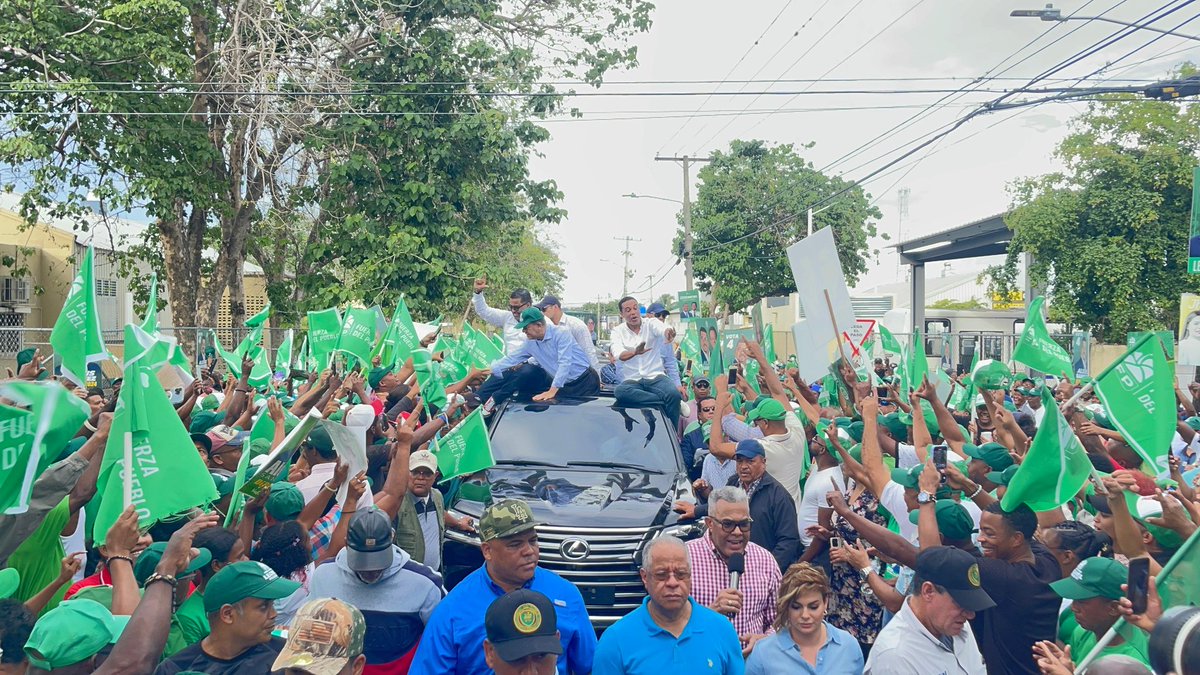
866	571
924	498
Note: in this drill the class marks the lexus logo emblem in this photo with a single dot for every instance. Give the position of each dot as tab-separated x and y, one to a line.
575	549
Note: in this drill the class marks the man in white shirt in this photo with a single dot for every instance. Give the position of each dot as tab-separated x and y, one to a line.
518	301
318	450
931	633
637	344
553	310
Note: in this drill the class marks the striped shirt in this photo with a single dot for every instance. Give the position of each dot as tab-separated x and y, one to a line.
759	584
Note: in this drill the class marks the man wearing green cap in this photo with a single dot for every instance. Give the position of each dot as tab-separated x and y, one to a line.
561	368
985	459
1094	589
67	639
239	601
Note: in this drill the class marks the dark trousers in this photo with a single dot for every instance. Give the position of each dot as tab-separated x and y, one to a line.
528	380
655	393
587	384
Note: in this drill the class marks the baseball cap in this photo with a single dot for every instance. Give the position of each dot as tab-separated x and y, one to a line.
749	448
369	541
992	454
223	435
319	440
422	458
702	382
855	430
74	631
506	518
202	439
203	420
1093	578
958	572
657	308
209	403
895	425
376	376
246	579
285	501
1003	477
767	409
148	559
531	315
26	355
953	521
910	477
10	580
323	637
548	301
522	623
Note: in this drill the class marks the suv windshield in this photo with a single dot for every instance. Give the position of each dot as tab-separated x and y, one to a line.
584	435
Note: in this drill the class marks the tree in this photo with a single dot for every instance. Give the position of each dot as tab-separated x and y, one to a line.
947	303
321	121
752	205
1109	233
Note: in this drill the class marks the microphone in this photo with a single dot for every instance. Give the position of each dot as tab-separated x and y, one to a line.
737	567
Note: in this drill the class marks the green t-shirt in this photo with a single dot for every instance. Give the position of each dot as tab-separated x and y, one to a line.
1082	641
39	558
189	625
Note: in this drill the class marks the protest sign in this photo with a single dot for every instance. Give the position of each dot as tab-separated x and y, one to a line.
821	285
688	305
1189	330
277	463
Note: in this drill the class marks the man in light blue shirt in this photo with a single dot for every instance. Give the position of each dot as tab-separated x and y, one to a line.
561	369
669	633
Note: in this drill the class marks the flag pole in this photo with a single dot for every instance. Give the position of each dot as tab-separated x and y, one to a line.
128	468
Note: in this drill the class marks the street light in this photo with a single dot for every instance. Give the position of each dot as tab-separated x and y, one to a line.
1052	13
632	195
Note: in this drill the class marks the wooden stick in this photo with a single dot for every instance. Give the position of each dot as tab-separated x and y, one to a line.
836	331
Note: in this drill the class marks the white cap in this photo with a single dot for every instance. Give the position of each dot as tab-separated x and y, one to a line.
422	458
360	415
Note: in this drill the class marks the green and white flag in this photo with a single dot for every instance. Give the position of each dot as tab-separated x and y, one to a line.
432	391
499	342
889	342
283	355
466	449
302	359
1138	392
768	345
76	337
916	367
30	440
324	329
1036	348
401	338
167	475
991	375
482	351
260	318
358	335
1055	468
964	394
178	360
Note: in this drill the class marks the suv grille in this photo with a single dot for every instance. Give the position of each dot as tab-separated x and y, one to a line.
604	571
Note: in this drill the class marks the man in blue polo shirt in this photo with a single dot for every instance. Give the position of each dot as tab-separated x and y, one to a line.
453	638
669	633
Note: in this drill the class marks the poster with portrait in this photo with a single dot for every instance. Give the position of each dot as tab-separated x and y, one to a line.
708	336
688	305
1189	330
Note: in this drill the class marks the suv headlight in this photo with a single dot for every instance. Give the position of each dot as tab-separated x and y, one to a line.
684	531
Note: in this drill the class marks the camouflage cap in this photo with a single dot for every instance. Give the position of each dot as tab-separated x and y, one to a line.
325	635
506	518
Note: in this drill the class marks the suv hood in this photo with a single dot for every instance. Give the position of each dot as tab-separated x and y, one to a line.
586	497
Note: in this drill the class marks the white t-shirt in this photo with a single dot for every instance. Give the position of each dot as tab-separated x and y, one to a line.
787	455
892	499
816	486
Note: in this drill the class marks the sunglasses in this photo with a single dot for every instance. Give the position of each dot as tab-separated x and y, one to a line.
517	309
713	409
728	526
662	576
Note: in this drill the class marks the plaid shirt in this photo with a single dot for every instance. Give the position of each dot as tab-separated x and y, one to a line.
759	585
321	533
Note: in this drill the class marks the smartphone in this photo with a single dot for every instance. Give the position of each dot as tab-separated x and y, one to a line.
986	436
1139	584
939	460
881	392
688	367
733	376
835	542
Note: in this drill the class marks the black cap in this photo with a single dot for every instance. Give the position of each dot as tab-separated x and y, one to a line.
522	623
369	541
1100	503
202	439
958	572
547	302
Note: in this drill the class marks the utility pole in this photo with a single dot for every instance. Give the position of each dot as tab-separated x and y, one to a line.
650	278
626	275
687	211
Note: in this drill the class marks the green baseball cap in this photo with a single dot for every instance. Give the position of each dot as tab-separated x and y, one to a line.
931	422
769	410
319	439
377	375
952	519
209	402
909	478
241	580
73	632
224	485
1093	578
993	454
204	420
531	315
506	518
149	558
1003	477
10	580
894	425
991	375
856	431
285	501
1193	423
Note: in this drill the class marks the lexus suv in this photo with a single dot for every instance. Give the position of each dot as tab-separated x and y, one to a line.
601	481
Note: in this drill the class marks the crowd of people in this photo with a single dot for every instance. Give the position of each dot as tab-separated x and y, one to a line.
834	540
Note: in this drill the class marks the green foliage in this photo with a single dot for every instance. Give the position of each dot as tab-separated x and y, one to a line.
947	303
753	186
1109	235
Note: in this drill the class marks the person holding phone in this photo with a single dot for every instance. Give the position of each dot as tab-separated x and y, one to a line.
1094	589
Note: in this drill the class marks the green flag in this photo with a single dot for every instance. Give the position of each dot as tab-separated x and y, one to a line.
1036	348
889	342
432	391
32	439
1055	468
498	340
324	328
260	375
961	400
168	475
483	352
768	344
178	360
231	360
752	368
301	360
466	449
283	355
358	335
260	318
1138	392
76	337
917	367
400	338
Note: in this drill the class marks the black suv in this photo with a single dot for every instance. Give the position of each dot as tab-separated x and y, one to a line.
600	479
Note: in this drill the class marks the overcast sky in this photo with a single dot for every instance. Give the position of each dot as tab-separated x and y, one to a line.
963	179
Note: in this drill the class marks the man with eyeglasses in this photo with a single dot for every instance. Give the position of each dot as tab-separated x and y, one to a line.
670	632
694	446
518	301
751	605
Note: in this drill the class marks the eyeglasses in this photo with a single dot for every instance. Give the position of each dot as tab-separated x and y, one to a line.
662	576
713	409
729	525
517	309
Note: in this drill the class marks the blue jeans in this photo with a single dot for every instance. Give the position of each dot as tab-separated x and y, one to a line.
655	393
